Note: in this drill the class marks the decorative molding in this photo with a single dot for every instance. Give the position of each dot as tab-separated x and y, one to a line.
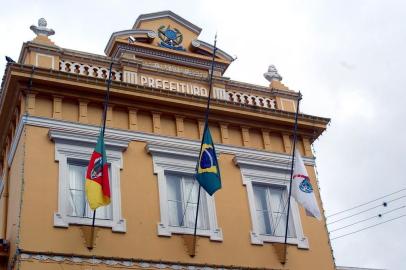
44	55
120	262
119	139
130	32
168	56
210	48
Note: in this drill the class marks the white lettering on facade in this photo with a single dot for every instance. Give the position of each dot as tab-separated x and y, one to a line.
191	89
144	80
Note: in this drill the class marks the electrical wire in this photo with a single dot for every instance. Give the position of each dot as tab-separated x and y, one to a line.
376	216
366	210
368	227
363	204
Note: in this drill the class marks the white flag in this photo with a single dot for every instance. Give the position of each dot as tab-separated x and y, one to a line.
302	190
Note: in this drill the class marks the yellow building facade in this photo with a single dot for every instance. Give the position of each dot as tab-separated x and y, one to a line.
50	114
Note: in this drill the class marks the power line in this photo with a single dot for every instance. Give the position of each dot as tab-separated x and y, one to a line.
368	227
366	210
377	199
379	215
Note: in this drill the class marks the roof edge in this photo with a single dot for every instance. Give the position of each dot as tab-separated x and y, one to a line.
167	14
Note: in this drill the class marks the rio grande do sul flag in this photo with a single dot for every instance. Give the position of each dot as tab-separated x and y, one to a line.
302	189
97	177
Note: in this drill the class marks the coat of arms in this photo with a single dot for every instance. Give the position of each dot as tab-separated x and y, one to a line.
171	38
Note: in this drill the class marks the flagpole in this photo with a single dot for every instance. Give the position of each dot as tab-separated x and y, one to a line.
105	105
206	124
291	175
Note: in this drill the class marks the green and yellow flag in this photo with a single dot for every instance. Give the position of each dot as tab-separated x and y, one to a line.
207	169
97	177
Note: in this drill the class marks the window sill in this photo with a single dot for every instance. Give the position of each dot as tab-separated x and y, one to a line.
166	230
259	239
65	221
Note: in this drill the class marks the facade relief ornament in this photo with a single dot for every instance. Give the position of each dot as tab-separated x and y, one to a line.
272	74
41	29
171	38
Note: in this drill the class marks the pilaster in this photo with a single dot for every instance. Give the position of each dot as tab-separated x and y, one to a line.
287	144
109	116
245	136
266	139
224	133
132	119
200	123
156	122
31	103
83	111
180	128
307	147
57	107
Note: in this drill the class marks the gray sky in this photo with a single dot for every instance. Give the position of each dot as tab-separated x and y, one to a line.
347	58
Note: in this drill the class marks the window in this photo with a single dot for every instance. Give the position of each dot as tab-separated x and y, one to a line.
178	192
78	205
267	182
73	158
182	192
271	210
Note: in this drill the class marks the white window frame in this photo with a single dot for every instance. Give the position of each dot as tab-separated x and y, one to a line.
65	151
253	173
168	159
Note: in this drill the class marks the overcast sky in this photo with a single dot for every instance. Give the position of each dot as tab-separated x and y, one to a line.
347	58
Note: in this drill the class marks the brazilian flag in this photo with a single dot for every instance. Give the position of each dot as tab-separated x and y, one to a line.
207	169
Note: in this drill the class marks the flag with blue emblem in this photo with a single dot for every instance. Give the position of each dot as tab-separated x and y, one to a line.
302	189
207	169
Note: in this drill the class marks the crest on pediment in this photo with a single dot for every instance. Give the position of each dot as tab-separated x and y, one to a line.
171	38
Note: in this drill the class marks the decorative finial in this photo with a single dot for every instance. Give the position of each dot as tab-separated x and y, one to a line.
272	74
41	29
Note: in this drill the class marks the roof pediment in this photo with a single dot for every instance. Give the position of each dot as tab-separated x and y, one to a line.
169	32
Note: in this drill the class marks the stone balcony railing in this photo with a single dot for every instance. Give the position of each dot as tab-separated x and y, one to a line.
88	70
96	71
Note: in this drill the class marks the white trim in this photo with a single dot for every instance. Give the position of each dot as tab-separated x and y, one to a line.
119	140
275	174
45	55
174	159
82	150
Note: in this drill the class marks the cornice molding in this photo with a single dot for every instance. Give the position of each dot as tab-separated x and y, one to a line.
167	56
119	139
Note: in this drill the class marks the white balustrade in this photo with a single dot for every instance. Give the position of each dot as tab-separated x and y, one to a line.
253	100
89	70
